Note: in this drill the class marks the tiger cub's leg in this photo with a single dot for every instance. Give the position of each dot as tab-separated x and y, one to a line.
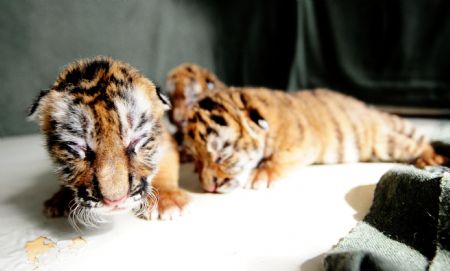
275	167
171	200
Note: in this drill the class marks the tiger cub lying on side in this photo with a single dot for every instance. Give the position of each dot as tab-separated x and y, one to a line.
102	123
250	137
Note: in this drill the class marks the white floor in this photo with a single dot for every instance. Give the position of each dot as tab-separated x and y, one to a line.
285	228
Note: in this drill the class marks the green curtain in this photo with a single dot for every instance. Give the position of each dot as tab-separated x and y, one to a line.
392	52
240	40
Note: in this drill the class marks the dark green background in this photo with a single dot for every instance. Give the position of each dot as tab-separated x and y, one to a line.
385	52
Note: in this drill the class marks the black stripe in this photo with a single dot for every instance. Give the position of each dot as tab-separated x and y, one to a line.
202	136
99	87
73	77
93	68
146	142
53	139
67	170
72	130
200	118
82	192
191	134
96	188
208	104
144	184
130	182
67	147
142	121
219	120
89	155
255	116
118	82
210	130
243	99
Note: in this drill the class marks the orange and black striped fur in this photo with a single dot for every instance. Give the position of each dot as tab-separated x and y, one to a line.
250	137
184	84
102	123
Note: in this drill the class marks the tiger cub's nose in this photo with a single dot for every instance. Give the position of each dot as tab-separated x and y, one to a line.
113	202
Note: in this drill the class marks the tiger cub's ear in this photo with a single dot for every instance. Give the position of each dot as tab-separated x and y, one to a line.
210	84
192	91
166	102
33	111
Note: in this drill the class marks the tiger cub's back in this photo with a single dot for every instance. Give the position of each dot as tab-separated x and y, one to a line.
350	131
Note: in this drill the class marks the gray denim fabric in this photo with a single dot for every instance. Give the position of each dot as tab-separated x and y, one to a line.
407	228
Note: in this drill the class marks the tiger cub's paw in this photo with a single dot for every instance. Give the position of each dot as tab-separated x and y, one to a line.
265	176
58	204
171	204
430	158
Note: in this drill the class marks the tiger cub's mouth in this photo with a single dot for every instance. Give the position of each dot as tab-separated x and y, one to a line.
130	203
92	211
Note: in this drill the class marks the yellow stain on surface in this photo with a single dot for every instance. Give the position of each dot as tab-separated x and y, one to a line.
38	247
42	245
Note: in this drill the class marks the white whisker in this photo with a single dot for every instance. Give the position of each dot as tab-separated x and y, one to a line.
149	201
82	215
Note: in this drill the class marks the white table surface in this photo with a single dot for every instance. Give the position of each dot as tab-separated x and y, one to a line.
285	228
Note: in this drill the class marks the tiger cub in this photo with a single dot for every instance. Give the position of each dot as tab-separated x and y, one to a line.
102	123
250	137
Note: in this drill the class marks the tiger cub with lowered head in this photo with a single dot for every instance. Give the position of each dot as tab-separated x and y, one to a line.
102	121
250	137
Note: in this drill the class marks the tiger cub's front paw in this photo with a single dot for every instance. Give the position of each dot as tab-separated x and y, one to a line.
58	204
171	204
433	159
265	176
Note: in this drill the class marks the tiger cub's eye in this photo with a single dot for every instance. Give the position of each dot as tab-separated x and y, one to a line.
135	144
77	150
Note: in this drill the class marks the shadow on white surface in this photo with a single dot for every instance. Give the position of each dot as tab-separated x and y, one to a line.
29	203
189	179
313	264
360	199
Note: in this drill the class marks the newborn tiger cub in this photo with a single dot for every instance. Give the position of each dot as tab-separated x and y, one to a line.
251	137
102	121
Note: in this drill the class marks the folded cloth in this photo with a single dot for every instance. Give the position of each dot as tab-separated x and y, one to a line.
407	227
